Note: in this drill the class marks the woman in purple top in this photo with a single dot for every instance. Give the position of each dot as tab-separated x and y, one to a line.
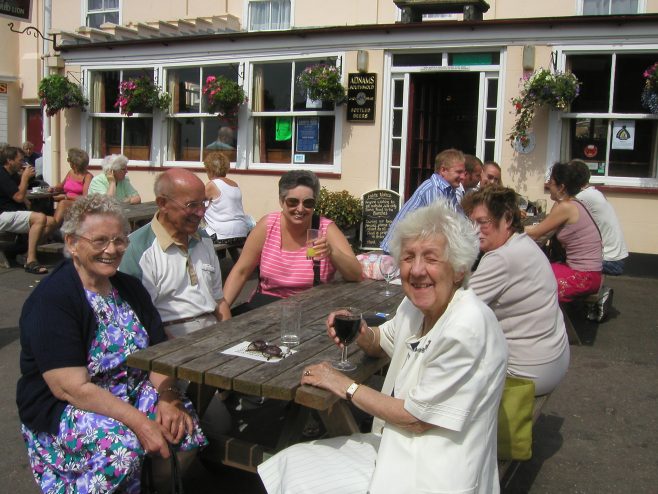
575	229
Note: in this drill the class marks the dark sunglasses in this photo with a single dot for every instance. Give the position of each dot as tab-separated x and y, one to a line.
268	351
293	202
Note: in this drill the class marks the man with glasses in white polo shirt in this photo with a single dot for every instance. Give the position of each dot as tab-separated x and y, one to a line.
175	259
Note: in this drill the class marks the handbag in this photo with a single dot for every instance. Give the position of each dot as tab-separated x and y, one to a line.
554	250
147	482
515	419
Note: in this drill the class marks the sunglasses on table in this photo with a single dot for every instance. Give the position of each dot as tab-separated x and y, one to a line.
293	202
268	351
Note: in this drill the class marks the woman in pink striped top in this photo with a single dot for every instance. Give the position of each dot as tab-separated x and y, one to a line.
278	246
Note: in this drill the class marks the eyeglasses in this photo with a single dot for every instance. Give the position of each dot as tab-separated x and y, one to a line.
192	205
293	202
99	244
482	222
268	351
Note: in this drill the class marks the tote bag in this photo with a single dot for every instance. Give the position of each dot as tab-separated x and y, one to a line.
515	419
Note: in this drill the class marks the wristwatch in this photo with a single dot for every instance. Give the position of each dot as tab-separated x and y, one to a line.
351	390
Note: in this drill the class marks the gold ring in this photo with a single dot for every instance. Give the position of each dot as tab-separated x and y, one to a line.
307	372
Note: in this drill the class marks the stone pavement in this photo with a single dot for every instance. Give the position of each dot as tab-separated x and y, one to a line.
598	432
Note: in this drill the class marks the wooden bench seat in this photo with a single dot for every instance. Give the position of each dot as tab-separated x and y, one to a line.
52	248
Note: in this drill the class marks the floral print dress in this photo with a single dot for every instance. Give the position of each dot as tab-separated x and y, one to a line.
93	453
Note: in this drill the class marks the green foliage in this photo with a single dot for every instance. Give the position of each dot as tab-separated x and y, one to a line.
57	92
542	88
341	207
322	82
650	92
141	95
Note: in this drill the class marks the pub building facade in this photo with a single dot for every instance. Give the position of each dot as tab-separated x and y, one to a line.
419	80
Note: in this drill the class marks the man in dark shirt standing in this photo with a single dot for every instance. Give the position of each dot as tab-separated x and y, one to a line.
14	214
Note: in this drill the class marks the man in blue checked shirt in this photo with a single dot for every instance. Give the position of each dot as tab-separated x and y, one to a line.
449	173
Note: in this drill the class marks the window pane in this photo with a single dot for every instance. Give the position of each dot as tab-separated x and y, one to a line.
399	94
596	7
589	138
624	7
280	14
112	17
106	137
184	139
492	93
300	101
629	82
593	71
272	140
314	136
395	179
104	91
137	138
397	123
417	60
94	4
489	149
228	71
490	130
635	162
183	86
395	152
111	4
220	135
272	87
95	20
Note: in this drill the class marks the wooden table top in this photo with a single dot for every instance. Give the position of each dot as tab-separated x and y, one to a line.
198	358
139	212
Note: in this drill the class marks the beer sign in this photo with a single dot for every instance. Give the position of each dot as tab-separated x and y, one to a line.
361	90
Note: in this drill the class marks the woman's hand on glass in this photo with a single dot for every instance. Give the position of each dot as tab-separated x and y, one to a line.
174	419
320	248
331	332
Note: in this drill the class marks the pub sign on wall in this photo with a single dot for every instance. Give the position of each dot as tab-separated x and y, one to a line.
361	90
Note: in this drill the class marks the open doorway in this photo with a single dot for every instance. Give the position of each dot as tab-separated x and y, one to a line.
443	113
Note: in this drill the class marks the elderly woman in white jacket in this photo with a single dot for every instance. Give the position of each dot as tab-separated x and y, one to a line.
436	416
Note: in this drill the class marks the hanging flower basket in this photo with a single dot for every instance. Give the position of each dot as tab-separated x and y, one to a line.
224	96
542	88
650	92
141	95
57	92
322	82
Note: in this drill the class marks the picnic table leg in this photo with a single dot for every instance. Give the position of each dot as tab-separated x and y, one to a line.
338	420
200	395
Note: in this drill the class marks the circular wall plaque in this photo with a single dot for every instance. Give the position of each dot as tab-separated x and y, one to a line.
529	145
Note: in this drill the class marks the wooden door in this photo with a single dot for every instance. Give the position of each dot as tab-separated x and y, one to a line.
443	113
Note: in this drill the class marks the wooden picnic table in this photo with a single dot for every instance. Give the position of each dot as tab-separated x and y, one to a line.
198	358
139	213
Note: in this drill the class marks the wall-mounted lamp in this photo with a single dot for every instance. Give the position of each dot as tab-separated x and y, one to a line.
528	57
362	61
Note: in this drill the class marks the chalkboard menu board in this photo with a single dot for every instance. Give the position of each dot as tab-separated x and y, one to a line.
379	210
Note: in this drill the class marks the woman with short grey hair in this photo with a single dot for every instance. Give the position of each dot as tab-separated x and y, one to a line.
114	182
435	417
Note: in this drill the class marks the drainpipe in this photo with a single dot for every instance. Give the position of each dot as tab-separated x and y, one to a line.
51	148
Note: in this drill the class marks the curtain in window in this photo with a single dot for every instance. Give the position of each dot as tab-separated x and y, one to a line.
173	91
258	104
605	7
264	15
97	94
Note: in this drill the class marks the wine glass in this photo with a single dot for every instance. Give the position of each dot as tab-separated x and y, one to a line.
347	321
389	270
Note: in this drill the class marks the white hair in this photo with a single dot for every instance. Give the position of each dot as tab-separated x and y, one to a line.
439	218
114	162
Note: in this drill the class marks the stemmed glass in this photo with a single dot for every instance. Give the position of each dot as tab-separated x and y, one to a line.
347	321
389	270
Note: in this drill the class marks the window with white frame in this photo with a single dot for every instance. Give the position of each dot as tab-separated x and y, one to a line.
101	11
607	126
269	15
611	7
288	128
192	132
111	132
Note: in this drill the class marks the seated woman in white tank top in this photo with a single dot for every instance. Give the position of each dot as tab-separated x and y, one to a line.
225	217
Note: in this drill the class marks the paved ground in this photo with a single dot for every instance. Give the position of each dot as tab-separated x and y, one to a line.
598	433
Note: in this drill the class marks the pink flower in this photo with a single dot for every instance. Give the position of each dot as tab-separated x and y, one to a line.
210	79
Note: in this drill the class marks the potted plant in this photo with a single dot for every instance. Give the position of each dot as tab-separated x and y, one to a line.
650	91
322	82
140	95
57	92
343	208
224	96
542	88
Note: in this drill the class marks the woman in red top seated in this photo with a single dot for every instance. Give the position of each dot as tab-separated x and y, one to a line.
277	244
574	227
